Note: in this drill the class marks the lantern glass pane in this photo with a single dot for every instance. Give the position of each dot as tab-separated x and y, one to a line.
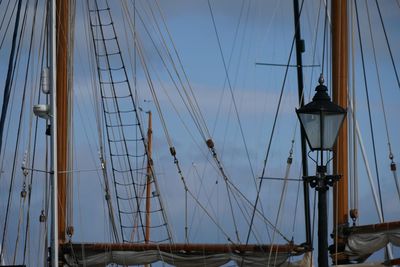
311	124
332	123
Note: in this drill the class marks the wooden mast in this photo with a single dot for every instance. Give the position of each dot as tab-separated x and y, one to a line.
340	87
62	9
149	175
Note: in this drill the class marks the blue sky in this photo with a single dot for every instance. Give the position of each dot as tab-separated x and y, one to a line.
262	34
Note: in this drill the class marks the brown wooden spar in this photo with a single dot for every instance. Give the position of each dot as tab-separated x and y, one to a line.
373	228
340	86
62	8
149	177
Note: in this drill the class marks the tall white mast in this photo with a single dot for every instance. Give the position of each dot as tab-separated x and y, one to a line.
53	138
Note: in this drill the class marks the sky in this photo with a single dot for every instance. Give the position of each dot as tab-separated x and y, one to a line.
237	98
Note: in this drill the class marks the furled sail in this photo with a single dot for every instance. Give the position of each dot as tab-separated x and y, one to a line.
182	254
362	241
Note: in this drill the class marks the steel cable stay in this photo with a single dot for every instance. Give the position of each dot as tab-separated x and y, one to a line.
208	195
388	44
271	137
9	21
278	112
176	162
242	210
10	72
26	184
391	156
188	102
227	82
190	97
246	216
381	214
211	147
257	211
10	78
182	68
369	111
152	90
169	97
26	156
296	206
172	148
236	35
153	93
232	94
105	184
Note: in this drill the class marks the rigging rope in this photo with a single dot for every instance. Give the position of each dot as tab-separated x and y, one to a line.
231	93
26	160
176	162
195	113
9	21
272	133
7	91
324	40
391	156
369	110
155	96
9	78
200	115
388	44
210	145
119	107
99	123
188	101
282	197
107	115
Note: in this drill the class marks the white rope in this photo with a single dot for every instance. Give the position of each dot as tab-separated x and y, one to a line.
369	174
382	104
282	198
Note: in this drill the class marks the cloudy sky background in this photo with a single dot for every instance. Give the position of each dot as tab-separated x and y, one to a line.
249	32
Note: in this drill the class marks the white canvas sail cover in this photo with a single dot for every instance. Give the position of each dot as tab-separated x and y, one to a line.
182	259
364	244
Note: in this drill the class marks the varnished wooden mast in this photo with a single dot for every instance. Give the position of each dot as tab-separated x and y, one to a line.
62	9
340	88
149	177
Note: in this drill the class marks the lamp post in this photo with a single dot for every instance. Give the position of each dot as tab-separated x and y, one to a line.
321	120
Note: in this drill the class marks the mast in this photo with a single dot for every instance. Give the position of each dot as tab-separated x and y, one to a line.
149	175
339	88
300	48
53	141
62	110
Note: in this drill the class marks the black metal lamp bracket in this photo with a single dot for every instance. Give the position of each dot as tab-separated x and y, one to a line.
321	181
